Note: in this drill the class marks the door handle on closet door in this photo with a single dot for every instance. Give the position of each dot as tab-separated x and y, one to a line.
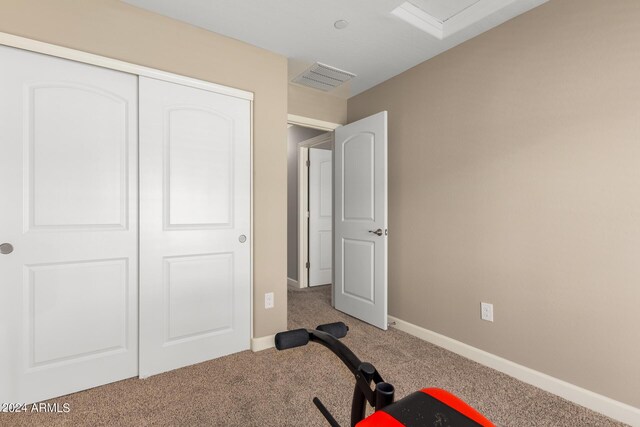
377	232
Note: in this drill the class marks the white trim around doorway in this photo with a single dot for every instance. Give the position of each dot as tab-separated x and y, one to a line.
308	122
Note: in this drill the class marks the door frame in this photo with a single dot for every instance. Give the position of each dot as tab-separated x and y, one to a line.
308	122
303	187
10	40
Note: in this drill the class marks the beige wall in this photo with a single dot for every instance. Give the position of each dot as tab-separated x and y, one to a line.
514	173
317	105
114	29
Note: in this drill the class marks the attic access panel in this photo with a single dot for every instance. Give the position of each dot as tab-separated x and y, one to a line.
431	16
444	10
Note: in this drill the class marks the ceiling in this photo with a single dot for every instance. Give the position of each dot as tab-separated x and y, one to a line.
375	46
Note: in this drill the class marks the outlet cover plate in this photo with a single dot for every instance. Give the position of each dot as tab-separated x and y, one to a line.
268	300
486	311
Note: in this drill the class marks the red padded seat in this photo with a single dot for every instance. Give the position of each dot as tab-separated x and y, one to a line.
427	407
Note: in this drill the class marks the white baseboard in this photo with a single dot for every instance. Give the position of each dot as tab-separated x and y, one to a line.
293	283
596	402
262	343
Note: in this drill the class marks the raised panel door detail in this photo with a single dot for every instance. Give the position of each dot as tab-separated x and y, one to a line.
76	309
326	249
361	202
199	295
326	193
198	168
76	139
320	216
358	269
69	202
358	157
195	289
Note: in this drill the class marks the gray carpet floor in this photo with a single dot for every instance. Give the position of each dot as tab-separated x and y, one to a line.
272	388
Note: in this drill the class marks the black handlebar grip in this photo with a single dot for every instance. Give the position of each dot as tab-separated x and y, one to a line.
337	329
291	339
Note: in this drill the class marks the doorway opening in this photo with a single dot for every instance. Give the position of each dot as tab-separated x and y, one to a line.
309	203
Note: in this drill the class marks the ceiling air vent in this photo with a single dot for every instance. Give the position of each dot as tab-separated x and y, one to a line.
323	77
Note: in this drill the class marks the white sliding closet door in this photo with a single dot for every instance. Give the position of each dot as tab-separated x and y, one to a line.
195	223
68	225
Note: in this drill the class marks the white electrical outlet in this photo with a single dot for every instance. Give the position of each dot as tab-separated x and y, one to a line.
268	300
486	311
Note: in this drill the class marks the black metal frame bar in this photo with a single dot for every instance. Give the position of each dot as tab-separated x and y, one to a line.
364	373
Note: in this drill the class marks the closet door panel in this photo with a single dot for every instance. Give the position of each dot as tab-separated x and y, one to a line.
195	223
68	138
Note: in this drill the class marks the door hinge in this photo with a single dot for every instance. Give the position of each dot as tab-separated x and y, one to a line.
308	265
308	163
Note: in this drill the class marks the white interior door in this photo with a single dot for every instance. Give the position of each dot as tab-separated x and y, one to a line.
68	224
320	216
360	195
195	264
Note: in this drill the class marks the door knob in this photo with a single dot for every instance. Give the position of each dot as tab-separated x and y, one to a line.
6	248
242	238
376	232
